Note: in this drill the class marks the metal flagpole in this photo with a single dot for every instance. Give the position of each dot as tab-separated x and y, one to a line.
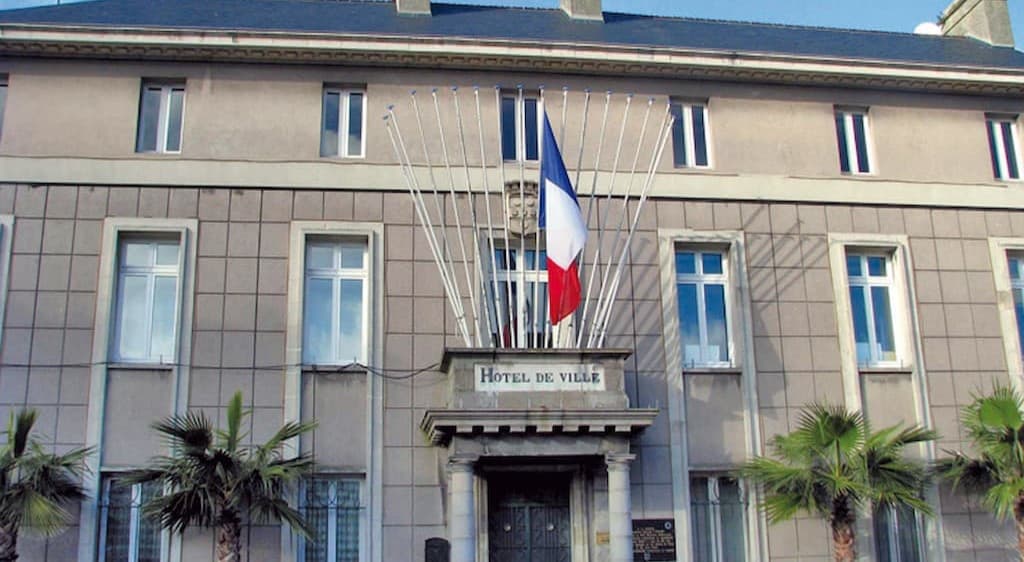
458	221
490	226
470	197
625	208
538	314
604	219
521	156
590	204
659	150
505	221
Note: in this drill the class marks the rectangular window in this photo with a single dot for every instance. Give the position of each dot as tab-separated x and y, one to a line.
520	127
1017	286
689	135
161	110
344	120
871	291
1004	147
332	507
702	286
335	310
3	102
897	534
147	298
125	534
852	133
521	277
717	518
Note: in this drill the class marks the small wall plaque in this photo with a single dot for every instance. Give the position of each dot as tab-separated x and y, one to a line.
654	540
603	537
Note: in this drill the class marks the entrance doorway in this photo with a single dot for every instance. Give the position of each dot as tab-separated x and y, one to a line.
528	517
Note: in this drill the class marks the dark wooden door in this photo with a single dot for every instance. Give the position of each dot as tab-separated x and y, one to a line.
528	518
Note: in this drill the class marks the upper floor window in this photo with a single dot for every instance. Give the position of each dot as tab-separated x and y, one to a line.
897	534
521	283
871	288
146	320
331	506
1004	146
689	135
3	102
853	133
1017	286
125	534
701	283
335	313
520	127
717	519
161	109
344	120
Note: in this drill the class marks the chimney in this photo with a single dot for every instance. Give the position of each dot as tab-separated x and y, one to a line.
984	20
583	9
413	7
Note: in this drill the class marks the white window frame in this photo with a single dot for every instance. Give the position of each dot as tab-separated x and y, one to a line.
113	230
1001	250
849	136
994	125
522	278
4	90
344	107
163	116
701	279
690	147
135	520
894	532
6	237
336	275
868	281
332	515
520	99
715	512
151	273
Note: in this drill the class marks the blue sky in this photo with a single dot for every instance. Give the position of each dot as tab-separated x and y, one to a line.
886	15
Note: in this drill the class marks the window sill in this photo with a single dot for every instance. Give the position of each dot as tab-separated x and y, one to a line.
882	370
347	368
713	371
123	366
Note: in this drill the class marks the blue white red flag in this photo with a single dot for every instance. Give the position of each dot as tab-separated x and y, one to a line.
566	232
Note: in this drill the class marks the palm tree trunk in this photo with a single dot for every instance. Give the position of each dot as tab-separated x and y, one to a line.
844	525
8	542
1018	518
229	540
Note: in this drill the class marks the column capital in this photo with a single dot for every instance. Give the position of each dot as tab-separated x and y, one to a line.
462	464
618	461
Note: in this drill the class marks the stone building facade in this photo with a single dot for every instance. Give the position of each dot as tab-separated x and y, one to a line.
154	153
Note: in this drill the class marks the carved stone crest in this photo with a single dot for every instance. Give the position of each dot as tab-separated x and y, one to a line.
523	205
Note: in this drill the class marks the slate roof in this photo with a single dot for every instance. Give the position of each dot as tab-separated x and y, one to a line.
521	24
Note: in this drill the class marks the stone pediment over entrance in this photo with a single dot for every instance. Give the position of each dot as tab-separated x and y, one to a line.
441	425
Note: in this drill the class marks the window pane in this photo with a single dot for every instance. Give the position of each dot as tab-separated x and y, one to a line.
860	324
167	254
350	344
1015	268
149	530
137	254
993	149
700	515
686	262
508	128
733	528
530	128
909	543
133	317
861	138
165	301
700	141
883	323
176	104
678	136
317	502
316	333
355	124
1011	151
352	256
329	130
883	534
320	256
714	305
149	117
3	103
689	326
347	500
876	266
118	514
853	266
712	263
844	153
1018	306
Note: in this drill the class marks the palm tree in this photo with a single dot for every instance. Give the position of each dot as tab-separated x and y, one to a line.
35	486
995	427
833	465
212	480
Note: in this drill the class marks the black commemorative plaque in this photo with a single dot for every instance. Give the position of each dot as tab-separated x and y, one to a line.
654	540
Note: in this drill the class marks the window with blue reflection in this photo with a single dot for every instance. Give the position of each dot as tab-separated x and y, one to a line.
1017	287
334	302
147	300
701	287
520	127
518	296
689	135
1004	147
871	286
852	133
342	130
161	109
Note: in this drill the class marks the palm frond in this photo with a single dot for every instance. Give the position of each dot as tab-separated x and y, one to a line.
232	436
191	431
18	430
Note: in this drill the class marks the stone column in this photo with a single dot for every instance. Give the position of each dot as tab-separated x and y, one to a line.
620	509
462	516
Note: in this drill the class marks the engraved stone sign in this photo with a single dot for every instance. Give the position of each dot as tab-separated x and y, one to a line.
526	377
654	540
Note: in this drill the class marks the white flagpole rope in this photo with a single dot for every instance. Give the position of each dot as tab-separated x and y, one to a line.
458	221
504	223
490	224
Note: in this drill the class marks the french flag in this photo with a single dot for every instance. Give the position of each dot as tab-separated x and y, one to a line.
566	233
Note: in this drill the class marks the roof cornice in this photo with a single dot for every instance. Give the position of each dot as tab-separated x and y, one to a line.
490	54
